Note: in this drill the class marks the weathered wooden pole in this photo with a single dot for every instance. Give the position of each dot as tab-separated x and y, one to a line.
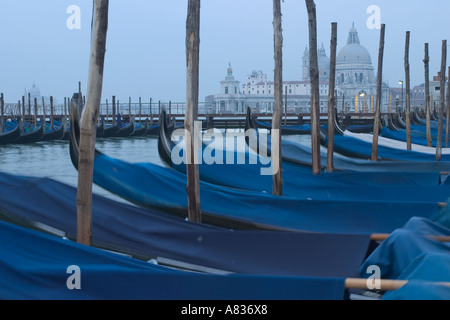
447	114
426	61
376	125
277	186
88	121
407	88
29	111
35	112
140	109
22	125
151	112
129	107
331	97
285	104
314	75
44	114
442	101
192	83
51	112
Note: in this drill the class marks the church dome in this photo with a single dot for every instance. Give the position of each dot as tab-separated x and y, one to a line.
34	91
353	52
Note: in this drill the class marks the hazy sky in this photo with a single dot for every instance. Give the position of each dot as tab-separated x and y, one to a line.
146	43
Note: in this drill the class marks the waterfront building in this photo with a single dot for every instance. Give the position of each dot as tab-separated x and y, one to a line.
356	85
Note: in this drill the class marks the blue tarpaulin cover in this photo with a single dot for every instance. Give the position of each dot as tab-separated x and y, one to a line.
404	245
34	265
300	182
424	274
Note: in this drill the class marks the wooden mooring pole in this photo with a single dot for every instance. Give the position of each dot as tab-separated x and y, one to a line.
426	61
407	88
442	101
88	121
376	125
447	113
315	97
277	181
192	83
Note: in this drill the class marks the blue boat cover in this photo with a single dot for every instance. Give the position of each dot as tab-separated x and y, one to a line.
357	148
416	136
37	266
298	153
148	234
404	245
423	275
153	186
300	182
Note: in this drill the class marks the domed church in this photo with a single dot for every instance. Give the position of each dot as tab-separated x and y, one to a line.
356	82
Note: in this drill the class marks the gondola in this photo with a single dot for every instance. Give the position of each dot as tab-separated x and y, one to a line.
140	129
153	186
31	136
360	146
37	266
111	131
56	134
10	136
350	161
287	129
130	230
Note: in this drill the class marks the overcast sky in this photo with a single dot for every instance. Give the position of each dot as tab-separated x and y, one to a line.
146	43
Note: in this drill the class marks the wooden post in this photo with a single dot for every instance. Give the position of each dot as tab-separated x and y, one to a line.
277	187
285	104
129	107
192	81
426	61
447	111
314	75
88	121
113	115
29	111
151	112
390	103
407	88
376	125
35	112
51	112
107	107
2	107
44	122
22	125
331	97
442	102
140	110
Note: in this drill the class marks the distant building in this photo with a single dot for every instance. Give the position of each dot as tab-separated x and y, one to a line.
356	85
35	93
